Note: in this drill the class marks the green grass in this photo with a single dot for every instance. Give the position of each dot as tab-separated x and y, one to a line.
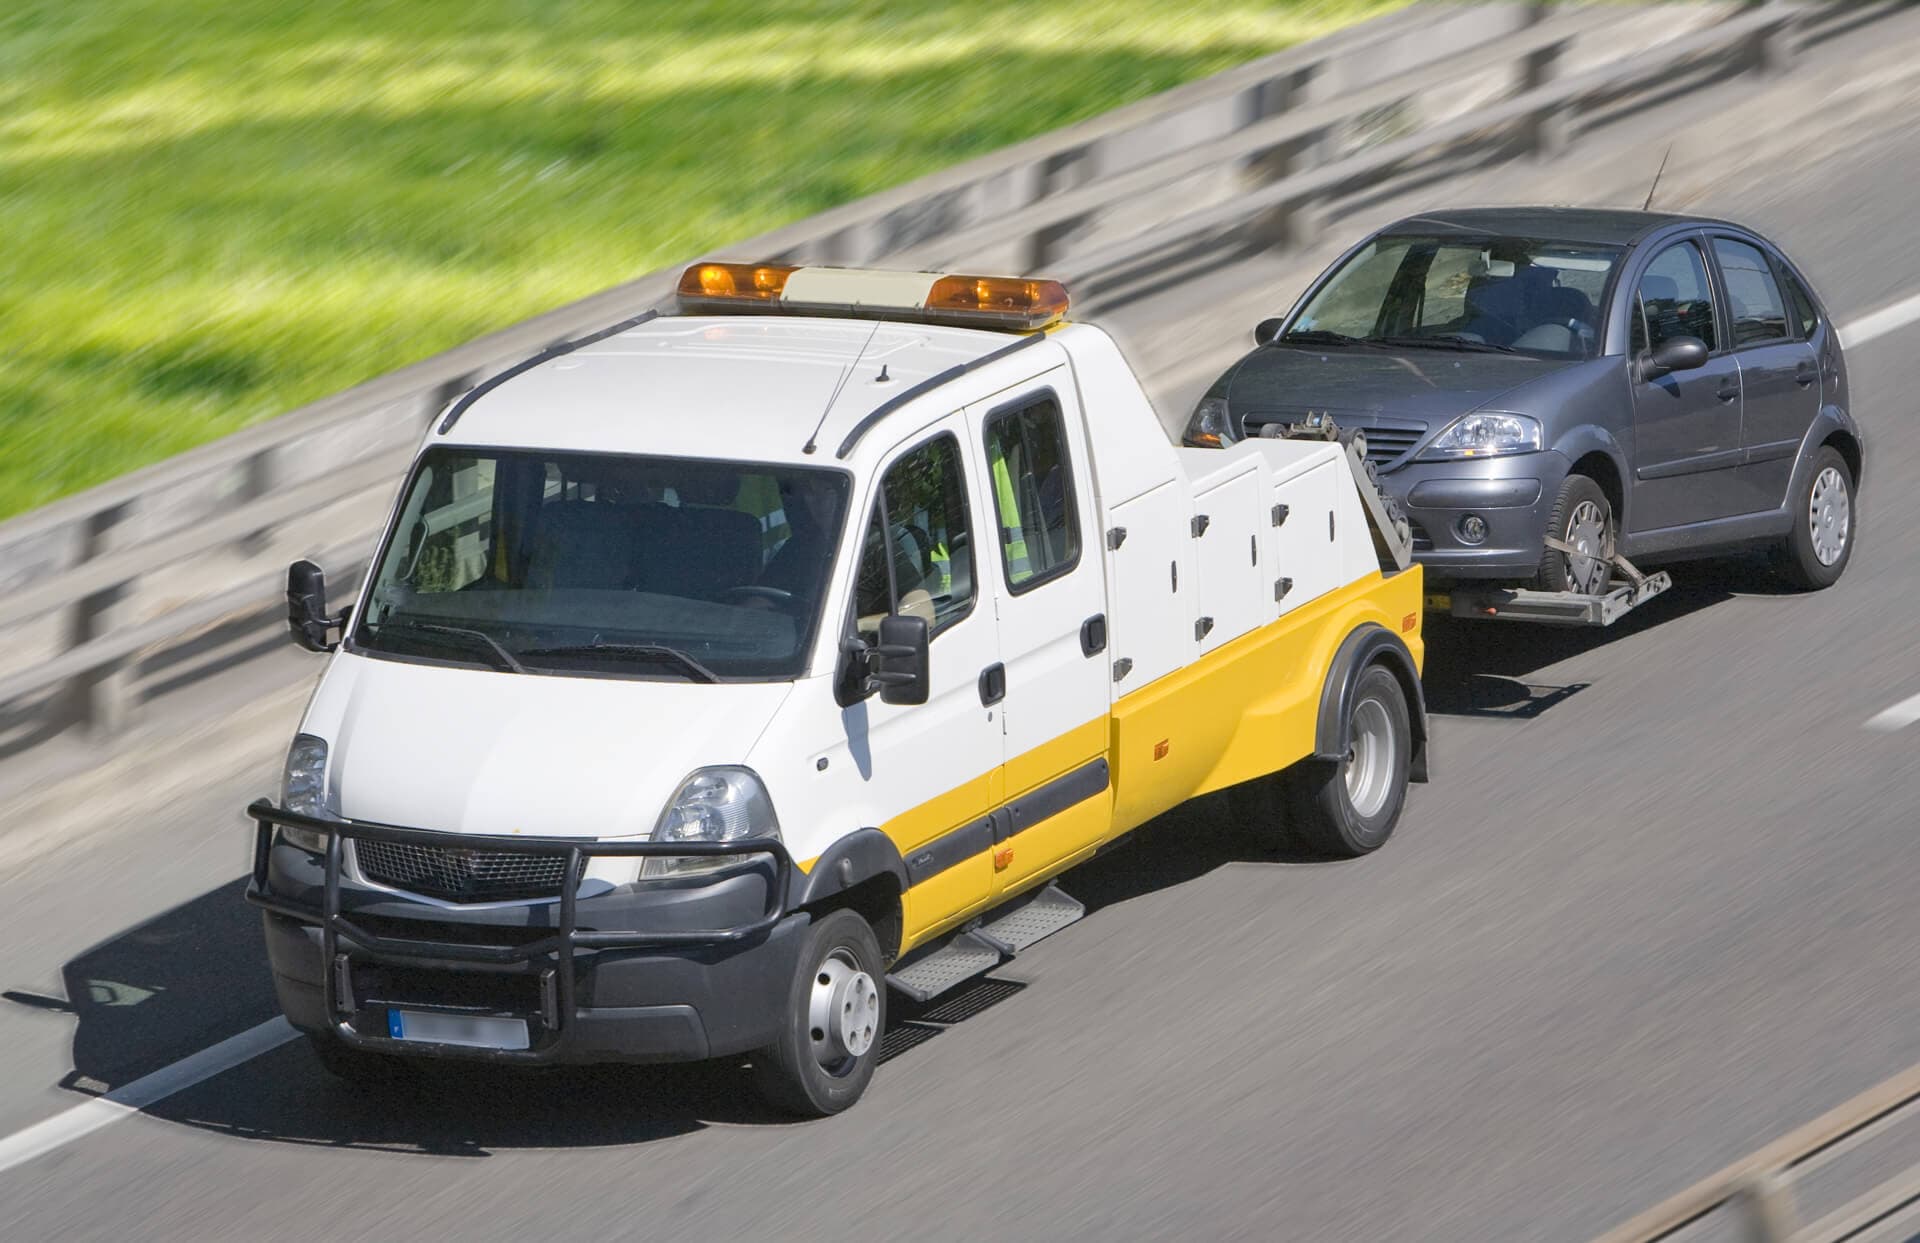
212	211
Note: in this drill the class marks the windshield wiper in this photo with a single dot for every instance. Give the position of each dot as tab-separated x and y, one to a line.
1446	343
463	632
1320	336
646	651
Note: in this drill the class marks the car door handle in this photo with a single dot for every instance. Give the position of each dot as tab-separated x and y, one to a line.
993	684
1727	392
1804	374
1093	635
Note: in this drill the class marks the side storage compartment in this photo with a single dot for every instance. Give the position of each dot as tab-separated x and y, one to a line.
1303	520
1150	585
1227	491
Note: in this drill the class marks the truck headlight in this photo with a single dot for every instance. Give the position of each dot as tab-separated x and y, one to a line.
713	805
1211	426
1485	434
303	790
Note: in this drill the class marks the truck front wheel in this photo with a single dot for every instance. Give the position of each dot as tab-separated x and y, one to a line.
836	1012
1346	807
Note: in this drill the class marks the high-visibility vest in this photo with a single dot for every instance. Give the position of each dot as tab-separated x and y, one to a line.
1013	535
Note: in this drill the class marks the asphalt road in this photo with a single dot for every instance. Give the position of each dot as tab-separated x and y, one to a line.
1658	906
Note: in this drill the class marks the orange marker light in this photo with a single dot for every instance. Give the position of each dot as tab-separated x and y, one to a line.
751	282
1160	749
1408	622
1008	300
1003	858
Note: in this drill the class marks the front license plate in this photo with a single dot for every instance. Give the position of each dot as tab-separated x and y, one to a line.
460	1029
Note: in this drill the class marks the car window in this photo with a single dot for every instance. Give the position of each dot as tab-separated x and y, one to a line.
1754	303
1033	493
1505	293
917	555
1676	298
1805	317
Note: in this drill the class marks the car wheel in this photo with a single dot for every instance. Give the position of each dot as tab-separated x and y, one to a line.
1820	544
836	1012
1347	807
1583	517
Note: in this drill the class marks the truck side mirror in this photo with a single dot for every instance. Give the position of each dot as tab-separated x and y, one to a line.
307	606
1673	354
899	661
1267	331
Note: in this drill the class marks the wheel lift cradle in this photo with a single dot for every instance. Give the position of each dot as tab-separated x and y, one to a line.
1627	589
990	940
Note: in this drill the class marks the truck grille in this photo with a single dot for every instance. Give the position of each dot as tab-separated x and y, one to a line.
461	875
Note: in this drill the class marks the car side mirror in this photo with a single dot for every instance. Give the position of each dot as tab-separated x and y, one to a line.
1267	331
1673	354
899	661
307	606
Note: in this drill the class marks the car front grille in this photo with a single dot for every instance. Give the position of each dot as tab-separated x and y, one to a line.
461	875
1387	439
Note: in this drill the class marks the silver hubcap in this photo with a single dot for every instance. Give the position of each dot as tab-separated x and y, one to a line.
1587	531
1829	516
1370	758
843	1013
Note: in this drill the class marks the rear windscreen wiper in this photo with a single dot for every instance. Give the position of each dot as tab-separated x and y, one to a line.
463	632
1446	343
645	651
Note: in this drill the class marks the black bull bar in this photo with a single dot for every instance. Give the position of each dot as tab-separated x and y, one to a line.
338	930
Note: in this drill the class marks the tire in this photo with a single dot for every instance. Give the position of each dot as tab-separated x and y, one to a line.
1347	808
1817	549
1581	516
838	993
381	1071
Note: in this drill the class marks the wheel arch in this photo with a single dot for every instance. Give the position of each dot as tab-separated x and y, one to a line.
1592	452
862	872
1370	644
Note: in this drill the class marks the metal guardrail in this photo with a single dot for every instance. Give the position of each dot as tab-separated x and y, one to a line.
99	578
1759	1188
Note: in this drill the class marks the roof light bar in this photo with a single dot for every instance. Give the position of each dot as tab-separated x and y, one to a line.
1009	302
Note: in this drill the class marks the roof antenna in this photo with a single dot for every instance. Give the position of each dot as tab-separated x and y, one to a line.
837	386
1648	205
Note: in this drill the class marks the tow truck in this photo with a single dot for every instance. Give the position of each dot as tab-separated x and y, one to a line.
723	671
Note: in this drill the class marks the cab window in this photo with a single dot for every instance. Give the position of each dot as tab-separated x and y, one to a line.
917	555
1032	492
1675	297
1754	303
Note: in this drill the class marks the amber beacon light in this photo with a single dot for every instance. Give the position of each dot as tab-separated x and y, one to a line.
1016	303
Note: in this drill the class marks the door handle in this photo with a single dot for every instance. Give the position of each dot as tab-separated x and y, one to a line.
993	684
1804	374
1093	635
1727	392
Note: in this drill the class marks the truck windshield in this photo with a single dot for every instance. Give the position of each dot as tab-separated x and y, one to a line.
1499	295
603	565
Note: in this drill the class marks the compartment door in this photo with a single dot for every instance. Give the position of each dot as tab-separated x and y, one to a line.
1227	550
1151	585
1305	564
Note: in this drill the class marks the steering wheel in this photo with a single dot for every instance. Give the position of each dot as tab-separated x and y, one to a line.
754	591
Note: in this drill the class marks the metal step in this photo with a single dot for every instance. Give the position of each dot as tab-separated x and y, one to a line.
1004	932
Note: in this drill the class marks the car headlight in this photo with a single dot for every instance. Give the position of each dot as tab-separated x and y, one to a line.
1486	434
1211	426
303	791
713	805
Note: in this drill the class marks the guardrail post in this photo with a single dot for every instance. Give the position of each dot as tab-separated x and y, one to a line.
1063	170
101	698
1767	50
257	479
1545	130
1766	1208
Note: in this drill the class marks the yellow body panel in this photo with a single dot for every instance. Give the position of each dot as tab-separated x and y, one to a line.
1248	708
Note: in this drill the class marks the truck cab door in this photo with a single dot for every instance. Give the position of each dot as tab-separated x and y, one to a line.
1049	586
929	774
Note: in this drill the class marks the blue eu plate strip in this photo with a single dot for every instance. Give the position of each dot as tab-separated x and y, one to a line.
396	1028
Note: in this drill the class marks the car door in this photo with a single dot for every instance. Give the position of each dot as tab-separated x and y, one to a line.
933	768
1779	373
1050	598
1686	424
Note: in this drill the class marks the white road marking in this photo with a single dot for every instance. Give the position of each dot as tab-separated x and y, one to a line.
1901	715
123	1102
1881	322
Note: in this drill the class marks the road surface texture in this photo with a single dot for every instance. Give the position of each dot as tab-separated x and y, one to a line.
1658	906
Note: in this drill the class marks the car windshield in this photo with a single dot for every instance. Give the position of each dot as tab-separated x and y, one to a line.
1498	295
596	564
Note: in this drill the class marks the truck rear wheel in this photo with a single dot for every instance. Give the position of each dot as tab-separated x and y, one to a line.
836	1005
1348	807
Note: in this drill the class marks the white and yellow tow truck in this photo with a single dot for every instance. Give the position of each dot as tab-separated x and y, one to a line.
725	669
